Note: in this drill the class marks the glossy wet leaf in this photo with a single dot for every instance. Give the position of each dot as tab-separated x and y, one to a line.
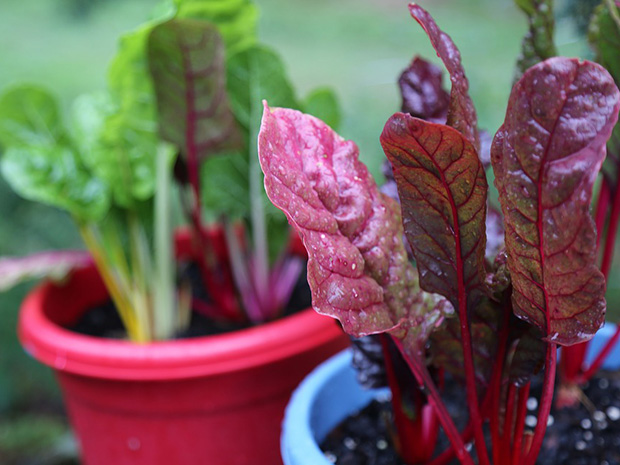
442	189
461	111
186	60
546	157
357	268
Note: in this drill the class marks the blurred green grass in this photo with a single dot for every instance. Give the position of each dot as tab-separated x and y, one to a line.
358	47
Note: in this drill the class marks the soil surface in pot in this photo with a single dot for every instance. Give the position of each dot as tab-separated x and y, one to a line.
104	321
589	434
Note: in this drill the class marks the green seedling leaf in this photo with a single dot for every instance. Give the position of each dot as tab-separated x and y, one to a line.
546	157
186	59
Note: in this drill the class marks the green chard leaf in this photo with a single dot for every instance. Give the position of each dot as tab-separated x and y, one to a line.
257	73
186	59
323	104
546	157
538	42
116	148
30	115
236	19
604	36
40	162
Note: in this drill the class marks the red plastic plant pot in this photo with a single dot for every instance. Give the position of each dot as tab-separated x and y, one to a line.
216	400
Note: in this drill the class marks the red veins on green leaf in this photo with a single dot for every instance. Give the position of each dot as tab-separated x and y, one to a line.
186	58
461	111
442	188
546	157
358	269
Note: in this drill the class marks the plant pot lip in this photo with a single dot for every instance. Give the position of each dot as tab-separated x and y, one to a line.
297	432
90	356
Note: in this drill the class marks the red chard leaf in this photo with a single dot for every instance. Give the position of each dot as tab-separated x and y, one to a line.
186	59
546	157
461	111
442	188
358	269
422	92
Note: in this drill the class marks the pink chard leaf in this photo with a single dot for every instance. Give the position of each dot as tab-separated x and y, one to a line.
442	189
52	265
546	157
186	59
461	111
358	269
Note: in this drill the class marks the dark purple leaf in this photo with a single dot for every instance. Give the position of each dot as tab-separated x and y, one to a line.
442	188
368	361
422	93
186	59
357	265
461	112
528	356
546	157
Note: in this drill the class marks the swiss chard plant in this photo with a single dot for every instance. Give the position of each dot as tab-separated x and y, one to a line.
491	317
604	37
183	102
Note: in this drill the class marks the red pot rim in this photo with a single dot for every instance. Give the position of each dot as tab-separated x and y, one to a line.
79	354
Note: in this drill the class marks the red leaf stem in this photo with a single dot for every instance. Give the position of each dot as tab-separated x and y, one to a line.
602	205
412	452
612	229
546	400
421	374
517	445
507	430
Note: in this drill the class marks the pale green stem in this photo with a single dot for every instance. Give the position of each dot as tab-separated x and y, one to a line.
163	292
259	229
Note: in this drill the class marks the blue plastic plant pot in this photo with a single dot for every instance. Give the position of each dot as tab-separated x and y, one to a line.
325	398
612	362
331	393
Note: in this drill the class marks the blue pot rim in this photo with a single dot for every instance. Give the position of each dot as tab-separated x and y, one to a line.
298	437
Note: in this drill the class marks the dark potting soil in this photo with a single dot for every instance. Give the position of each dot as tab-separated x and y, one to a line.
588	434
103	320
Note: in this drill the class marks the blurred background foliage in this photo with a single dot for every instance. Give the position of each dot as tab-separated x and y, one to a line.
358	47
